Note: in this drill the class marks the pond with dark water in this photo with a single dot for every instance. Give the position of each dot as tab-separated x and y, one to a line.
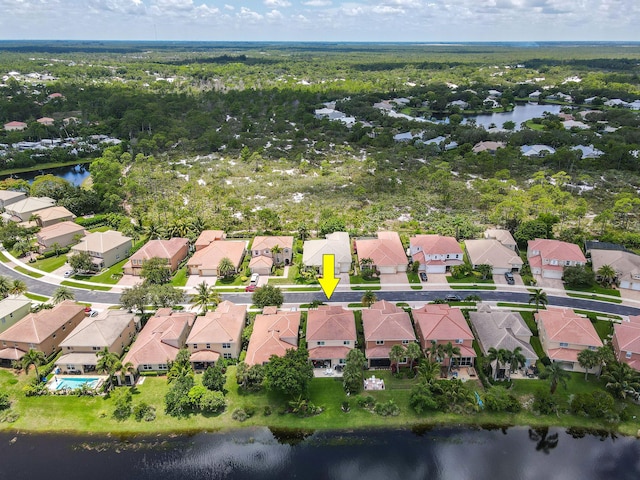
259	453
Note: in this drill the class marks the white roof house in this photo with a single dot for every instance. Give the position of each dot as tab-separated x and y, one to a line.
336	243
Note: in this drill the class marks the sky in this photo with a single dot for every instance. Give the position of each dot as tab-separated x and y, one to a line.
322	20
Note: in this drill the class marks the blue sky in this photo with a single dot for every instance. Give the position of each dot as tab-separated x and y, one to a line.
322	20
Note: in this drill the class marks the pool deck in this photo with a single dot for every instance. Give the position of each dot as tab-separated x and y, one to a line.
54	381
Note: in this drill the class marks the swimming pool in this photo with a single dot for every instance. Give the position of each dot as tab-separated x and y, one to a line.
72	383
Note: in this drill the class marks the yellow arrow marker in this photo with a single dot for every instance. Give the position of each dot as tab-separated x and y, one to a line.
328	282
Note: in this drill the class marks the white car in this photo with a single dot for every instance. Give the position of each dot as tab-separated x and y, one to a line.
68	273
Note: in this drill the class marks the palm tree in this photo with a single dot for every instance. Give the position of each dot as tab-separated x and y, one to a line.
607	275
436	352
205	295
589	359
366	267
516	360
413	352
451	351
153	231
275	250
539	298
61	294
226	267
368	298
501	357
18	287
396	354
555	374
5	286
621	379
35	358
429	371
108	363
303	231
22	247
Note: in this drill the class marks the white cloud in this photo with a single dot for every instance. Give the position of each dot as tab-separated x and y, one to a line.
229	7
274	15
317	3
249	15
277	3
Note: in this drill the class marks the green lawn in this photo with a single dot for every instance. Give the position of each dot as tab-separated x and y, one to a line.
516	305
604	328
414	281
180	277
357	280
103	228
50	264
292	279
20	269
3	258
110	276
232	281
37	298
594	297
596	289
472	279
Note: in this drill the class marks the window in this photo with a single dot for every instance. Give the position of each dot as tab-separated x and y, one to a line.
347	342
95	349
342	361
628	355
593	348
459	341
64	327
195	346
147	367
564	344
321	343
379	342
405	342
162	366
208	346
54	336
226	355
226	345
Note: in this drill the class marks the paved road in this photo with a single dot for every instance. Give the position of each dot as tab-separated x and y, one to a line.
416	296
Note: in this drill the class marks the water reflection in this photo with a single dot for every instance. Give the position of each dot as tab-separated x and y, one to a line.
514	454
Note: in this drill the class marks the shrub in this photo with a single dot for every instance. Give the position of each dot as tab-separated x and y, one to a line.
267	411
5	403
497	399
387	409
213	378
239	414
545	403
365	402
122	402
421	399
212	401
144	411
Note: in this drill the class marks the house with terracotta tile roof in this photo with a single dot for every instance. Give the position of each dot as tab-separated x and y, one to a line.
337	244
436	254
331	334
106	248
173	251
262	247
385	325
46	121
549	257
63	233
7	197
158	342
490	147
42	331
205	261
217	334
626	264
503	236
111	329
563	334
274	332
52	215
208	236
491	252
442	324
626	342
13	309
14	126
386	251
502	329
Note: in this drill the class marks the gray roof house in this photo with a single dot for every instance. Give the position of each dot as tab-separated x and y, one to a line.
588	151
7	197
502	329
536	150
491	252
13	309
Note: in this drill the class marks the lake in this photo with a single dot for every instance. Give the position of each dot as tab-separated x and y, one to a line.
74	174
519	114
443	453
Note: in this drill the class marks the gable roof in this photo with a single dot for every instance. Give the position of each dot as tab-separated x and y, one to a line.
625	264
385	251
336	243
102	242
491	252
564	325
627	335
385	321
273	334
209	257
501	329
159	341
224	325
331	322
30	204
161	249
60	229
100	331
503	236
441	323
267	243
261	261
556	249
36	327
54	213
10	195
